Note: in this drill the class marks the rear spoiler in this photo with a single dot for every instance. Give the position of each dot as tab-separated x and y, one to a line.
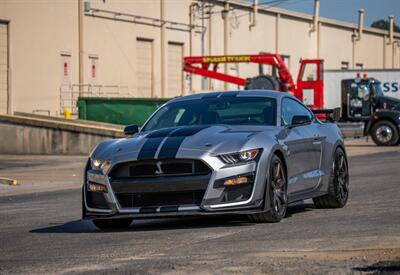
331	115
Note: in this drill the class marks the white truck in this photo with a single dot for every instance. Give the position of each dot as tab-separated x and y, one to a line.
370	97
388	78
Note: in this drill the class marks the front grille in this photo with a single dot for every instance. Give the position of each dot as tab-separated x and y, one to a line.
160	199
157	168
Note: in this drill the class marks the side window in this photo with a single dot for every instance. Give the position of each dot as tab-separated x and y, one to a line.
291	108
309	72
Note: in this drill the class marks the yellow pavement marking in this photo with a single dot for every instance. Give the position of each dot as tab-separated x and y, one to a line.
8	181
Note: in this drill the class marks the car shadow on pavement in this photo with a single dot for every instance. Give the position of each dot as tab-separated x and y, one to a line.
86	226
77	226
299	208
383	267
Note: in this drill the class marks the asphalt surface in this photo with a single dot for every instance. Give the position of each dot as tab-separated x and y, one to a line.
41	232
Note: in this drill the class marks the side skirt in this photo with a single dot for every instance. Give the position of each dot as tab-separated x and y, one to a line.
304	195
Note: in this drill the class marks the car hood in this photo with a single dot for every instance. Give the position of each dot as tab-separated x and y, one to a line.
177	142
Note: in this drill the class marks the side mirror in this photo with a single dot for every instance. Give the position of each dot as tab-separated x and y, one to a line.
131	129
300	120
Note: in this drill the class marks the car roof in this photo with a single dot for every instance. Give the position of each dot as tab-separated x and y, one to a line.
239	93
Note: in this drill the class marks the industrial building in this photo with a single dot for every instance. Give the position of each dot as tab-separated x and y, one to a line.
53	51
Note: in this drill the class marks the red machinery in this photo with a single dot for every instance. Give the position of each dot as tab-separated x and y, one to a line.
309	86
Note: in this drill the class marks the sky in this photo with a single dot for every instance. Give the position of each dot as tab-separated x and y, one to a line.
346	10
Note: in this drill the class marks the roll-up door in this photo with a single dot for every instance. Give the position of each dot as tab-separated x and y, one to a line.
144	67
175	73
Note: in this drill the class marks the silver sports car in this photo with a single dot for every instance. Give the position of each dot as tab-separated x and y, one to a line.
240	152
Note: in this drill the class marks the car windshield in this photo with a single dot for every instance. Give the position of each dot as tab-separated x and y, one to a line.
211	111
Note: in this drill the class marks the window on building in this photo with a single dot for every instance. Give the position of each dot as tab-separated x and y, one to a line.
345	65
359	66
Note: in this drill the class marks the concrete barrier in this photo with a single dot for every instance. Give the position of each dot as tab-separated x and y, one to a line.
44	135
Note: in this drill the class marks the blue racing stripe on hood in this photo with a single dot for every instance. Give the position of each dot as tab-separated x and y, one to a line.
149	148
174	141
172	137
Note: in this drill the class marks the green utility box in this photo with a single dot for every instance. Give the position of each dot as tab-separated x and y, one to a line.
122	111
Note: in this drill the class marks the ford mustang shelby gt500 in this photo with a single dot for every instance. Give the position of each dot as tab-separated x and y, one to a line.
245	152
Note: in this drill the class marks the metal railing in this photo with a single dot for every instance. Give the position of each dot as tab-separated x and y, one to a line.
69	94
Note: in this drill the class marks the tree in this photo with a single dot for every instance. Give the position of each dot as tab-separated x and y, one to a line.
384	25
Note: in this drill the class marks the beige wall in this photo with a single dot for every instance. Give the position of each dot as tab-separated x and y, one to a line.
39	31
335	47
296	40
42	30
369	51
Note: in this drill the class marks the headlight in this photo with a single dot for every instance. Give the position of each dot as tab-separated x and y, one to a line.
242	156
248	155
100	165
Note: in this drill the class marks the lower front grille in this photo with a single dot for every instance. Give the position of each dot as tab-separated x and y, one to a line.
96	200
160	199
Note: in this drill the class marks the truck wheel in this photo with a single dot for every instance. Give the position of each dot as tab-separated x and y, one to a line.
262	82
385	133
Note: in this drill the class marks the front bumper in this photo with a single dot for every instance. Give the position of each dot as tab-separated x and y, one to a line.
122	199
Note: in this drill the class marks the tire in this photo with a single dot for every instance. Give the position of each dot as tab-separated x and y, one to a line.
385	133
338	191
277	193
262	82
112	223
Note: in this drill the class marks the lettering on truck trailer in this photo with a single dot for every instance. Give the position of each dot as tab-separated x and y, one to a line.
224	59
390	87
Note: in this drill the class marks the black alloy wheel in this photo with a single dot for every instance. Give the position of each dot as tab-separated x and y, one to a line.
278	184
342	178
276	192
338	192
